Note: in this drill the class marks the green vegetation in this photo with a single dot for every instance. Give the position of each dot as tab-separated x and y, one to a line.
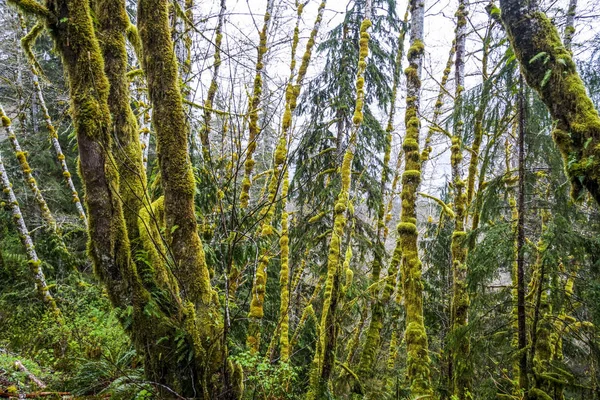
393	214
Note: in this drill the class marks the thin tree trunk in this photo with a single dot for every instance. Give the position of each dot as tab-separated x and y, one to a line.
279	166
461	362
284	336
35	264
570	26
378	303
212	89
521	317
21	157
253	106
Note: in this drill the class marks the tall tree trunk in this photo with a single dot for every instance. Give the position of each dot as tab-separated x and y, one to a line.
461	361
157	323
418	361
324	358
276	177
212	89
521	312
379	302
254	103
570	25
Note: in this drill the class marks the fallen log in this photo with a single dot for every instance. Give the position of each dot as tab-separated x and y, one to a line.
7	395
32	377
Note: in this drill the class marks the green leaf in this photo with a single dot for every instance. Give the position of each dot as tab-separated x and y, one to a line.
546	77
537	57
587	143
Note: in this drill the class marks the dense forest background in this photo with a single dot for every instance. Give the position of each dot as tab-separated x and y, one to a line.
289	199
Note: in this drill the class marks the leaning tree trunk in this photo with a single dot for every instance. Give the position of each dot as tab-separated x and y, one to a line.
35	264
549	68
40	201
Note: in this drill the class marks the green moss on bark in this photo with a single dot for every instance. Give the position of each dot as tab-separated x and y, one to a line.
554	76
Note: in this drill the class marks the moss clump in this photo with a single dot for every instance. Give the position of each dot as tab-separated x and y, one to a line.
416	49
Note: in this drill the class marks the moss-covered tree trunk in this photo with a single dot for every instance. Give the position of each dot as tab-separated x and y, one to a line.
112	26
548	67
521	312
253	106
461	368
169	121
278	171
378	303
158	320
418	361
203	316
324	358
35	264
